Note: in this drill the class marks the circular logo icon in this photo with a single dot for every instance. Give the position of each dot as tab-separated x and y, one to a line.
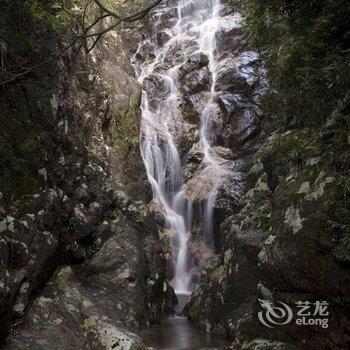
274	314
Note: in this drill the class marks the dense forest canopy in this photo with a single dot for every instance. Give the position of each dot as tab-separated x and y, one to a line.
307	43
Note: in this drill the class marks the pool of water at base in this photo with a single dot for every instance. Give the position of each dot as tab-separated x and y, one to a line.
177	333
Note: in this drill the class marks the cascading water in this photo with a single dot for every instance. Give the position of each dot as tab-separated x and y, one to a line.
193	31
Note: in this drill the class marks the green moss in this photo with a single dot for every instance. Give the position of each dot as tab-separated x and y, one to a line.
38	12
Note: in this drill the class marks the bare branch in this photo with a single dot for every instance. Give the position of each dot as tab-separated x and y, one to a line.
105	9
97	20
85	9
143	13
86	33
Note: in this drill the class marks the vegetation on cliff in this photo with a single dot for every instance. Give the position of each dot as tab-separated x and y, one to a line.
306	44
86	22
307	47
37	40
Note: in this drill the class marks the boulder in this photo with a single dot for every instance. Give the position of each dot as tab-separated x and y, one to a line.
64	316
242	121
231	35
196	81
239	74
156	86
195	62
279	246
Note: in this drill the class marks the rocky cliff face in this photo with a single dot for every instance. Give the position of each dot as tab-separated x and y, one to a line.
278	247
285	239
72	182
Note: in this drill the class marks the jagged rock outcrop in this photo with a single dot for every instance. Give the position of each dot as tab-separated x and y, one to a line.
123	286
286	244
65	316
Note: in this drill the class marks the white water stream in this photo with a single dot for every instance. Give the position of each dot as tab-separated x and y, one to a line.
193	30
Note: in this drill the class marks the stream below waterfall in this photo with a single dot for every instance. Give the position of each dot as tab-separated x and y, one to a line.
177	333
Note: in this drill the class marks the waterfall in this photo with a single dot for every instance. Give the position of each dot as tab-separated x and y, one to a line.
192	30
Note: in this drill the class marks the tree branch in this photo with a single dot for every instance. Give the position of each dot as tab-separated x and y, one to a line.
143	13
105	9
86	34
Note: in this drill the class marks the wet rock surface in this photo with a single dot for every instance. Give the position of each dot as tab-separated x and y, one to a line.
278	239
279	247
182	68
